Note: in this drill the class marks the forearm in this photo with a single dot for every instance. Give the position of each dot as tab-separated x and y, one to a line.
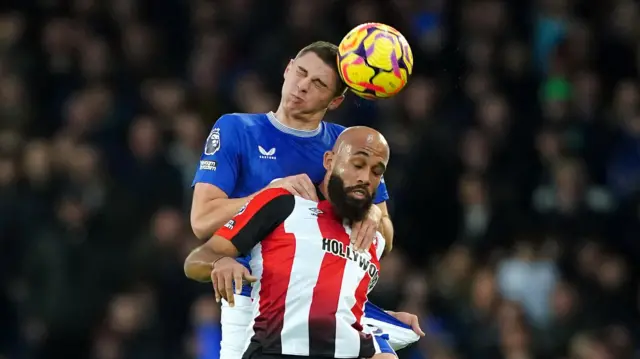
213	214
199	263
386	229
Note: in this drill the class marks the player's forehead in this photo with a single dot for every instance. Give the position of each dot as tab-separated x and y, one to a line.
311	63
371	152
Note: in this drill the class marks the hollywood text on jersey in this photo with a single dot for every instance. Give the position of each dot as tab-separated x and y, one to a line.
337	248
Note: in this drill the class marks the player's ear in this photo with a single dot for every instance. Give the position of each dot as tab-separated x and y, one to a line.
335	102
286	69
327	159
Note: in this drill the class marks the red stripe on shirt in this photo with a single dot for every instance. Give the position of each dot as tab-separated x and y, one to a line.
278	251
363	290
326	294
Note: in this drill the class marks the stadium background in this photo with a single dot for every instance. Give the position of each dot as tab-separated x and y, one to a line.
514	178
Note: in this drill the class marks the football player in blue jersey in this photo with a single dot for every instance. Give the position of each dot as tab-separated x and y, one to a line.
246	153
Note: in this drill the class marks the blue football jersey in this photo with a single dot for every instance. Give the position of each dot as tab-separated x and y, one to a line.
245	152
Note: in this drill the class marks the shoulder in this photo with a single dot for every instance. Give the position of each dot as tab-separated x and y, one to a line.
239	121
234	126
276	199
331	133
334	129
271	194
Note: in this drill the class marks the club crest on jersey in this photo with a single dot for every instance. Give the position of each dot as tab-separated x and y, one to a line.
267	155
363	259
213	142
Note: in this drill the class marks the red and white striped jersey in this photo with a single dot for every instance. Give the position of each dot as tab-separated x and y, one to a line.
312	285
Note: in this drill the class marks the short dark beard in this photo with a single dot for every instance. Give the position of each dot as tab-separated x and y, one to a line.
347	207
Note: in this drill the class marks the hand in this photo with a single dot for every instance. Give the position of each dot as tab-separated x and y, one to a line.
227	272
408	319
299	185
363	232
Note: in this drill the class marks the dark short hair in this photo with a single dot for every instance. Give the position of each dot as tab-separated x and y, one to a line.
328	53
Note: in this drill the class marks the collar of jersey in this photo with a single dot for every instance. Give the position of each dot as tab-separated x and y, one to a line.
326	208
292	131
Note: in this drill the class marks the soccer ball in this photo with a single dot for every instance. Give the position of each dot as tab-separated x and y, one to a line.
375	61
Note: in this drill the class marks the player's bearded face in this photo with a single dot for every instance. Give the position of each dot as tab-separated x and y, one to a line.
345	202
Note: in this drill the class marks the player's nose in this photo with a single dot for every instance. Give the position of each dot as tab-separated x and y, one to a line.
303	85
363	179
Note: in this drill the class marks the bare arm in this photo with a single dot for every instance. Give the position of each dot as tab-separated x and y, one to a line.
213	260
200	262
386	227
211	209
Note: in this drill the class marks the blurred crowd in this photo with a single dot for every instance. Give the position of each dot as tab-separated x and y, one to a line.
514	179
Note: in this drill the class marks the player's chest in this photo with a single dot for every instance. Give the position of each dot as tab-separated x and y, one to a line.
322	240
267	159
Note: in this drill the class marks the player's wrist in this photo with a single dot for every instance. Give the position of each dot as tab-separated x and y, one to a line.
375	214
213	264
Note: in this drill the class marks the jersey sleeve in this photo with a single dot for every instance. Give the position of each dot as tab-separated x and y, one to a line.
382	195
220	160
258	218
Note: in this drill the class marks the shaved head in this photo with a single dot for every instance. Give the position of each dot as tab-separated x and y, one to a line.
354	170
362	137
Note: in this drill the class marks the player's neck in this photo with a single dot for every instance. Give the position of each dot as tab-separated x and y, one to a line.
305	124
